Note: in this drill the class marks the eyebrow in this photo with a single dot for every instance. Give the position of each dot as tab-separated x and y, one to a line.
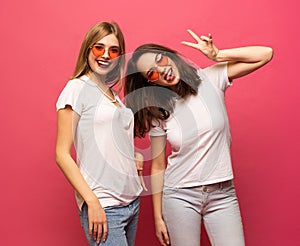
115	46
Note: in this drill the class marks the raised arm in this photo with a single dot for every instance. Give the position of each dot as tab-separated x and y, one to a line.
67	122
241	61
157	181
244	60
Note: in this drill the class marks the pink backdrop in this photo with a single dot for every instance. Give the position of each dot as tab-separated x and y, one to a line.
39	44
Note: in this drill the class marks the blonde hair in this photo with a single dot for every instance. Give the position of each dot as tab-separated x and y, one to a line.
94	34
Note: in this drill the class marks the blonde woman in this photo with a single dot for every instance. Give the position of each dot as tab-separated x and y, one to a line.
92	117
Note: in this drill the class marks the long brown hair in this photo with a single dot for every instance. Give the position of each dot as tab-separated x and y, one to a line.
94	34
151	102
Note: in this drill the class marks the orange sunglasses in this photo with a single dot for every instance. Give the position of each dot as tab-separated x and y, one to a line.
99	49
160	60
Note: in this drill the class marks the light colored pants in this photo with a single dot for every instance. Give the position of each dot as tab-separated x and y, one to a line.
217	205
122	224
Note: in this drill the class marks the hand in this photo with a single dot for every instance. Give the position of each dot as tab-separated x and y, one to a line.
97	221
162	232
204	44
139	161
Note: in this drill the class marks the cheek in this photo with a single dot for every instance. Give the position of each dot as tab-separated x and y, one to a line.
91	60
176	72
114	63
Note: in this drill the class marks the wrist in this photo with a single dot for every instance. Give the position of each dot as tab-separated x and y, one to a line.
158	217
91	200
219	56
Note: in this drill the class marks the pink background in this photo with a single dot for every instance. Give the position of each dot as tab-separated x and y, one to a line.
40	41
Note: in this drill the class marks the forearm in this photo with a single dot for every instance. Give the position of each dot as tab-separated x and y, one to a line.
157	180
250	54
158	147
75	178
245	60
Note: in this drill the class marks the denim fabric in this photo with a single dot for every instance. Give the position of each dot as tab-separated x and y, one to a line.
184	210
122	224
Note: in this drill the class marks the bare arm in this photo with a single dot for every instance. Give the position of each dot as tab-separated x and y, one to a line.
241	61
67	122
157	181
244	60
139	162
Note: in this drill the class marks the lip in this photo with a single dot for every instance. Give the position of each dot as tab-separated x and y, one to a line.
103	63
169	75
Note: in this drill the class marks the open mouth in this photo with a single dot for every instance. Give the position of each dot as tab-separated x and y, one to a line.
103	64
169	75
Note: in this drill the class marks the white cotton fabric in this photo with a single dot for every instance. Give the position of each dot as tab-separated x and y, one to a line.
198	131
104	143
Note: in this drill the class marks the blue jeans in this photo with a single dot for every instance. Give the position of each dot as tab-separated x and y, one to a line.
216	205
122	224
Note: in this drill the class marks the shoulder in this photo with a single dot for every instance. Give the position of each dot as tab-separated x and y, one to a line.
218	68
217	74
71	94
75	84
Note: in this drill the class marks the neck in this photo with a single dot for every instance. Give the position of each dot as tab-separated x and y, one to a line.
98	79
100	82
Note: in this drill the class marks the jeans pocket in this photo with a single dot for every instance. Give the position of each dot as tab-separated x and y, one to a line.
229	190
169	191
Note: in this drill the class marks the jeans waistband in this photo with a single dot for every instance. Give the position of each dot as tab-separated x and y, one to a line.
215	186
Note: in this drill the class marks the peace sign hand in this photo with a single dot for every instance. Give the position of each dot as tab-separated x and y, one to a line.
204	44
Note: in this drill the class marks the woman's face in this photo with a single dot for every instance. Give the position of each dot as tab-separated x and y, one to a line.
104	54
158	69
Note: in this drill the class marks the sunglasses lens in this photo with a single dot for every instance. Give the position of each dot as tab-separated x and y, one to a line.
98	50
114	52
153	75
161	60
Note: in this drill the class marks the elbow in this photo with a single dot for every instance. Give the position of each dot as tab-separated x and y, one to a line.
269	54
59	157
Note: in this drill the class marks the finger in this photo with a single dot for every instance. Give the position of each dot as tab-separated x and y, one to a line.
95	231
210	38
105	232
99	233
166	238
205	38
143	183
140	173
90	228
139	165
162	242
193	45
194	35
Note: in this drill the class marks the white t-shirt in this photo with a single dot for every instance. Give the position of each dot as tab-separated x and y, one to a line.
103	142
198	131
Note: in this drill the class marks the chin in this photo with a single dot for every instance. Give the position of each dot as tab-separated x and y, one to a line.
175	81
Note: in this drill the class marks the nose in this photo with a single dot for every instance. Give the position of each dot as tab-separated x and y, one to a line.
106	54
160	69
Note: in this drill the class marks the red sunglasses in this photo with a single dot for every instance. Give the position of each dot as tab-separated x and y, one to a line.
99	49
160	60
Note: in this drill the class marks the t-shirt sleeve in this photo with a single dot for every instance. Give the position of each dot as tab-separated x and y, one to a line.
70	95
158	129
217	74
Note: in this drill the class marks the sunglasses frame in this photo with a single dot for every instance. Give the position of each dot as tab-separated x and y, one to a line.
97	52
158	63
